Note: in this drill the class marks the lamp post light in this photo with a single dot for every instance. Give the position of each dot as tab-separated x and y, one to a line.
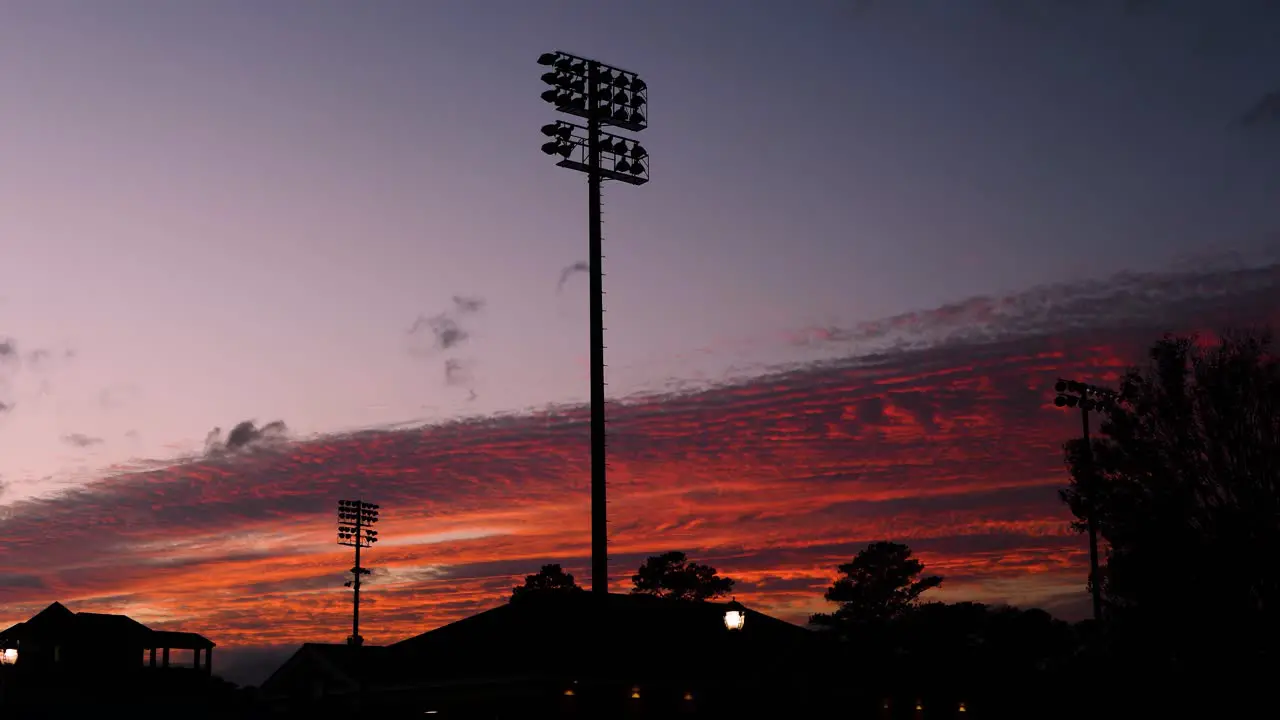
355	519
1089	398
735	615
601	95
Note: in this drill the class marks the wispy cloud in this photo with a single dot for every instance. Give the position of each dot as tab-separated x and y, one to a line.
1266	113
14	363
579	267
9	362
444	331
940	432
245	436
456	372
81	440
1122	300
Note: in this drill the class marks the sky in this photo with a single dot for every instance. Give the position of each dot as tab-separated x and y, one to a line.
874	236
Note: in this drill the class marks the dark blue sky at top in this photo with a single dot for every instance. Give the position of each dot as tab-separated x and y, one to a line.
970	146
298	180
967	146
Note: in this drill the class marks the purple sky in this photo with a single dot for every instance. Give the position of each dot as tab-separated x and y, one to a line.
220	211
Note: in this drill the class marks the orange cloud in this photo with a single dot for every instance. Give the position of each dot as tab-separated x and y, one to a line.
953	448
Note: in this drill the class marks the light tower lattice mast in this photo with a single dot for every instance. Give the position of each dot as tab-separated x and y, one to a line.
602	95
1089	398
355	521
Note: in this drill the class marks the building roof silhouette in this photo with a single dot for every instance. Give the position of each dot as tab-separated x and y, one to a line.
555	639
58	624
641	633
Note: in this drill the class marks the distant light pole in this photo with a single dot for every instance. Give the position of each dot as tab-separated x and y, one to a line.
602	95
1072	393
355	519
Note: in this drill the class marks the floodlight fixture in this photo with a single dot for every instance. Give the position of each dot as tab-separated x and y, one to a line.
558	130
591	89
1089	398
618	158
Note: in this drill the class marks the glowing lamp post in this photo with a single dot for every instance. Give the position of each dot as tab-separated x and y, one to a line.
1089	398
735	616
601	95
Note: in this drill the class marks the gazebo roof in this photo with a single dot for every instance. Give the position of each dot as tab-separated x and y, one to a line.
58	623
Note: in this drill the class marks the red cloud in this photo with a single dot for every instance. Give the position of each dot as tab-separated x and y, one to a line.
954	449
777	480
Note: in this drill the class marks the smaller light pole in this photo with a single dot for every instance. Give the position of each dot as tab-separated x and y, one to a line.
355	519
1072	393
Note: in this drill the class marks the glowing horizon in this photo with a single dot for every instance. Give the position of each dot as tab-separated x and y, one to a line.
953	448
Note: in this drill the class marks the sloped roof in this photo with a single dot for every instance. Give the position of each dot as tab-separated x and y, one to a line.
101	626
57	622
180	640
347	660
337	666
571	635
51	619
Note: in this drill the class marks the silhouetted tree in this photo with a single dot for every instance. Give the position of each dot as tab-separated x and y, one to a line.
880	584
550	579
1187	497
672	575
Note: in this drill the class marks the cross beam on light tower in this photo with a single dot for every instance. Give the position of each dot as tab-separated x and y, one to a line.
1089	398
601	95
355	521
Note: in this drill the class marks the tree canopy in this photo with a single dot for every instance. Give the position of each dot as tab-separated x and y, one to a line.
1185	495
672	575
550	579
880	584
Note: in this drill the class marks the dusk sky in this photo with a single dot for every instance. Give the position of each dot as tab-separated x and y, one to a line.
876	233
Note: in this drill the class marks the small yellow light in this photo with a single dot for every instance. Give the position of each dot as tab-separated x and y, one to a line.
963	708
688	696
919	705
569	692
635	693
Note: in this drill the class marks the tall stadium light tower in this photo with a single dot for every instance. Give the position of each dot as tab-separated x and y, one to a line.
1089	398
601	95
355	521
